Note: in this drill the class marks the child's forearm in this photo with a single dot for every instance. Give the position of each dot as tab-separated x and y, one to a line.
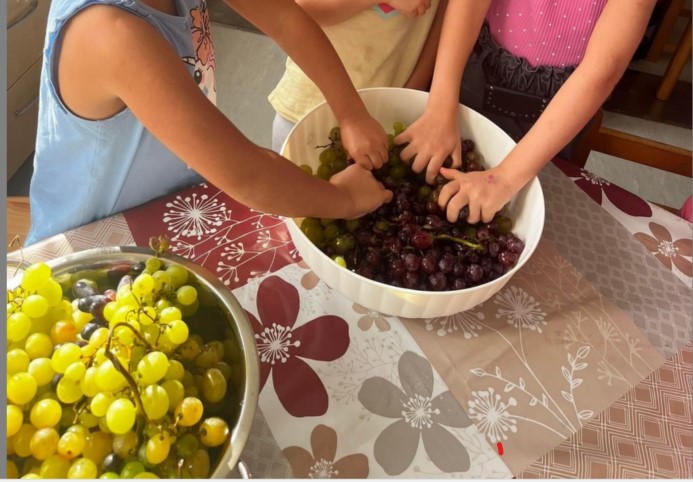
331	12
422	74
305	42
461	26
614	40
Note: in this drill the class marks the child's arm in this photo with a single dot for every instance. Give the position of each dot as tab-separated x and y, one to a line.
435	135
420	78
332	12
112	59
617	34
305	42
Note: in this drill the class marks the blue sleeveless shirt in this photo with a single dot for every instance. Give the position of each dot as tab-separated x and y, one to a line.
86	170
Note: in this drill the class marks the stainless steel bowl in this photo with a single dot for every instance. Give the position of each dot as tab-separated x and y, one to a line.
247	390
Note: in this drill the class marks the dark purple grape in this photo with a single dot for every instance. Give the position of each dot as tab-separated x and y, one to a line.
463	215
437	281
446	263
473	165
493	249
475	273
421	240
97	305
373	256
434	222
459	269
459	284
468	145
366	270
396	269
412	262
54	382
392	245
411	280
127	281
482	233
429	263
138	268
112	463
432	207
89	330
515	245
406	187
507	258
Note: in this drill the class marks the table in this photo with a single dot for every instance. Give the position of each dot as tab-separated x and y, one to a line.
579	368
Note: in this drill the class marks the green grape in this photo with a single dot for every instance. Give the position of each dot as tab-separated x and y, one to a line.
190	349
22	439
88	384
155	401
108	378
109	475
161	280
213	385
100	403
69	416
51	291
21	388
189	411
80	429
335	134
54	467
316	235
186	295
15	418
35	306
175	371
157	448
327	157
71	445
146	475
186	445
214	431
340	261
121	416
125	445
143	284
69	391
152	264
12	471
109	311
208	357
44	443
175	393
225	369
46	413
177	332
169	314
34	276
147	315
75	371
189	310
325	171
17	361
178	274
198	464
99	337
131	469
307	169
87	419
152	367
64	355
99	445
18	326
83	469
63	332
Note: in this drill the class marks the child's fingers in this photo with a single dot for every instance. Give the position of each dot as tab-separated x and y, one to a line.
420	162
433	168
403	138
449	174
446	193
474	210
487	214
408	153
457	157
455	205
376	161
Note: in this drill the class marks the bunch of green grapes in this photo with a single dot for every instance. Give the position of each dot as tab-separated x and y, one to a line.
105	378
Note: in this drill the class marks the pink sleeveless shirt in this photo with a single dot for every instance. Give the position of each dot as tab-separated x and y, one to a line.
544	32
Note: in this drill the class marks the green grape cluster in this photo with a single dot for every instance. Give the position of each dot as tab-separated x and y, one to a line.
109	376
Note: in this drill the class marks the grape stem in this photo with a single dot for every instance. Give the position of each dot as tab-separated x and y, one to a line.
118	366
475	246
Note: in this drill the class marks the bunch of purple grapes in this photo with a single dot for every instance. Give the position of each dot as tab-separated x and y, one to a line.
409	242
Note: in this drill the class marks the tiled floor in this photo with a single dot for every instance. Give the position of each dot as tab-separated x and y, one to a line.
250	64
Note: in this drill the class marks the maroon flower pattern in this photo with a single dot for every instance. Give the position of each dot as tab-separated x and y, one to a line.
282	347
595	186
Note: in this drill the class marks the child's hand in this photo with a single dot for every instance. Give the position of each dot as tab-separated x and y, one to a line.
410	8
364	191
365	141
431	140
484	192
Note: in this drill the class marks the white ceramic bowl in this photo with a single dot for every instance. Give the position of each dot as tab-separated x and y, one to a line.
387	106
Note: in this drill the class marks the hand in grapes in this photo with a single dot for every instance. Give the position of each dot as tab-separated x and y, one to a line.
430	142
365	192
483	192
410	8
365	141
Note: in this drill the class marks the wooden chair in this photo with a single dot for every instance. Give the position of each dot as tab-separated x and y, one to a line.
18	220
632	148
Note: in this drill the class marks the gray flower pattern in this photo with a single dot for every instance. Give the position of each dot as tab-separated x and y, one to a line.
419	416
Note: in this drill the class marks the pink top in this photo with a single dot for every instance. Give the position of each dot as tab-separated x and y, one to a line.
544	32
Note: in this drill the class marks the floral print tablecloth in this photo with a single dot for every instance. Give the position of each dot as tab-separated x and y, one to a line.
580	367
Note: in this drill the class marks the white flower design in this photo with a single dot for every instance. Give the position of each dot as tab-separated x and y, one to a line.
417	411
588	176
264	238
467	322
492	414
667	248
194	216
521	309
273	343
322	469
234	251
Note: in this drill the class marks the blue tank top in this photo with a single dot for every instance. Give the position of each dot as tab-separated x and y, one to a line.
86	170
